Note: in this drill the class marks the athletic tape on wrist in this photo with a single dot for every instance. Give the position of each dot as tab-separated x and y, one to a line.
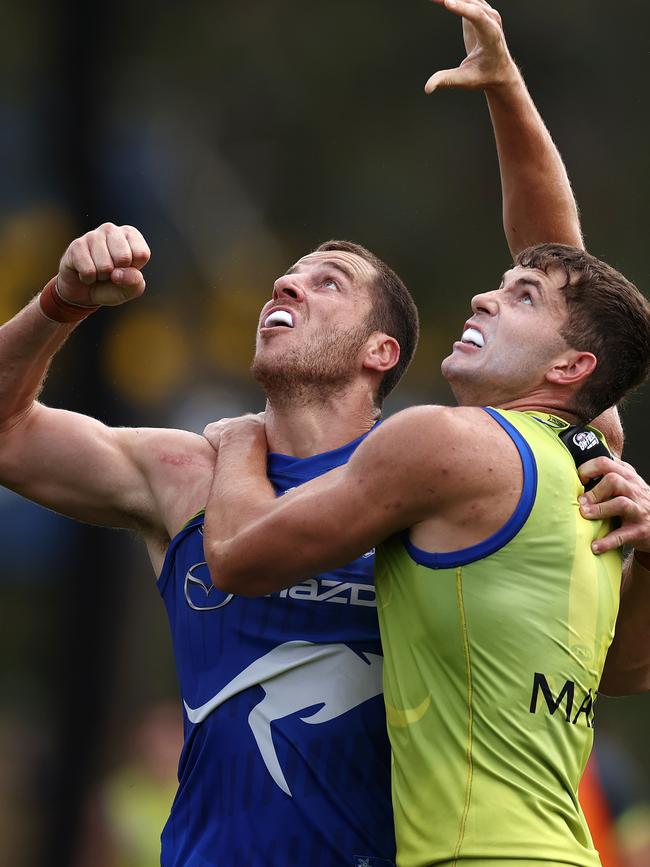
57	309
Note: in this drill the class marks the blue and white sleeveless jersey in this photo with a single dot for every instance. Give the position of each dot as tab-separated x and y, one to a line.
286	761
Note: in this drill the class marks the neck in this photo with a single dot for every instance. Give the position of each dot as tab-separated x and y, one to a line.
550	406
539	398
306	429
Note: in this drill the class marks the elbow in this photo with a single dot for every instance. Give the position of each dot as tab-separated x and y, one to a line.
229	573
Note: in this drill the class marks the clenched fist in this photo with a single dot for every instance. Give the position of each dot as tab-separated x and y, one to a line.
104	267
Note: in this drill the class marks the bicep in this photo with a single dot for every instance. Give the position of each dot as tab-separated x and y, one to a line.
77	466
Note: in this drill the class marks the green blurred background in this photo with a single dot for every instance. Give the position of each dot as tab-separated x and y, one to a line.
237	136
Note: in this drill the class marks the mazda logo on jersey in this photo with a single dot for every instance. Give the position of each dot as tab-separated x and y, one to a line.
200	592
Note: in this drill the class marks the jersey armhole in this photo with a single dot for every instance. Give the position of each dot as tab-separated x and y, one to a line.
507	532
167	567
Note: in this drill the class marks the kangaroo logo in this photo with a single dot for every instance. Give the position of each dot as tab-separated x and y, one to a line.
294	676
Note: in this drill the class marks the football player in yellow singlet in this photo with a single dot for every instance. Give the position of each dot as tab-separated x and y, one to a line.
498	604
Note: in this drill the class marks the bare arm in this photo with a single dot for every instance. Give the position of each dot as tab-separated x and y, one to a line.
622	493
65	461
256	543
538	203
627	667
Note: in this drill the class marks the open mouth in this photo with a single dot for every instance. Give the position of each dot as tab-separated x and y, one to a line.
278	319
473	337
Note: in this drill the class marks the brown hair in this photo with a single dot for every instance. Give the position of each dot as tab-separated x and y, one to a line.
393	311
607	315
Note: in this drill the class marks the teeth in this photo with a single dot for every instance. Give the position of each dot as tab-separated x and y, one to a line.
473	336
279	317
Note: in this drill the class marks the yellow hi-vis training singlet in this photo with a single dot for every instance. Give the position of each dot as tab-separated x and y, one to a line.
493	656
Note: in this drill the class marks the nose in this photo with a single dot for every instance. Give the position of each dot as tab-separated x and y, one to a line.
288	286
485	302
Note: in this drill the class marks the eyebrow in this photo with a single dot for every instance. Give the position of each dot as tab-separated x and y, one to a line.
329	263
528	281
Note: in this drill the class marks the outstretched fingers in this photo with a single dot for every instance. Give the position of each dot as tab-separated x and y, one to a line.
478	12
488	61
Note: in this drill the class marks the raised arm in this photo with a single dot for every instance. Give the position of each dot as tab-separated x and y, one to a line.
538	203
624	494
69	462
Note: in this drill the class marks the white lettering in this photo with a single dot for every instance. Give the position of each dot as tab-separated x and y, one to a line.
307	590
328	590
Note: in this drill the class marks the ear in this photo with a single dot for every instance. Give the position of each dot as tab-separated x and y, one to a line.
572	369
382	352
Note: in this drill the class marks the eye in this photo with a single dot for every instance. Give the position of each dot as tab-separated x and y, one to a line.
527	298
330	283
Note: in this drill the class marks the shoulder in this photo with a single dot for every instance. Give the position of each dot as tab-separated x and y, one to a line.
168	446
437	431
459	447
178	467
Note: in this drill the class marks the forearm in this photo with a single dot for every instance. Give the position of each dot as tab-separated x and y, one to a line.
538	203
268	543
28	343
627	667
257	543
239	493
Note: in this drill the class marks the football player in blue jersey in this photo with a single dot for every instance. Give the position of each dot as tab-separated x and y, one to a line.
285	759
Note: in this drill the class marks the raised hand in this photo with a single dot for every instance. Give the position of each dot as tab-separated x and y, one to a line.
621	493
488	62
104	267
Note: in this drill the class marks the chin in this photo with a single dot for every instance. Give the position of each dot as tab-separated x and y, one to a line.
465	387
453	368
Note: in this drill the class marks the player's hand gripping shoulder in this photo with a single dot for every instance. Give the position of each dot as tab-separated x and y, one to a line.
249	427
620	493
488	63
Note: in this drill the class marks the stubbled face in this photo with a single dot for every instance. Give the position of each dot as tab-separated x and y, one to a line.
312	332
510	341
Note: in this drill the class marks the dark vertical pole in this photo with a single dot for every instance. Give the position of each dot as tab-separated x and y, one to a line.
84	50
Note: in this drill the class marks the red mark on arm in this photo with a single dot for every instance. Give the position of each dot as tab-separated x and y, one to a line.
175	459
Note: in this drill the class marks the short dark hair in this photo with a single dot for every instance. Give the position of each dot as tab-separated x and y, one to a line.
393	311
607	315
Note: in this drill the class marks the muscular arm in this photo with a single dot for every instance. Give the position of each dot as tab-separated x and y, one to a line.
68	462
538	203
256	543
